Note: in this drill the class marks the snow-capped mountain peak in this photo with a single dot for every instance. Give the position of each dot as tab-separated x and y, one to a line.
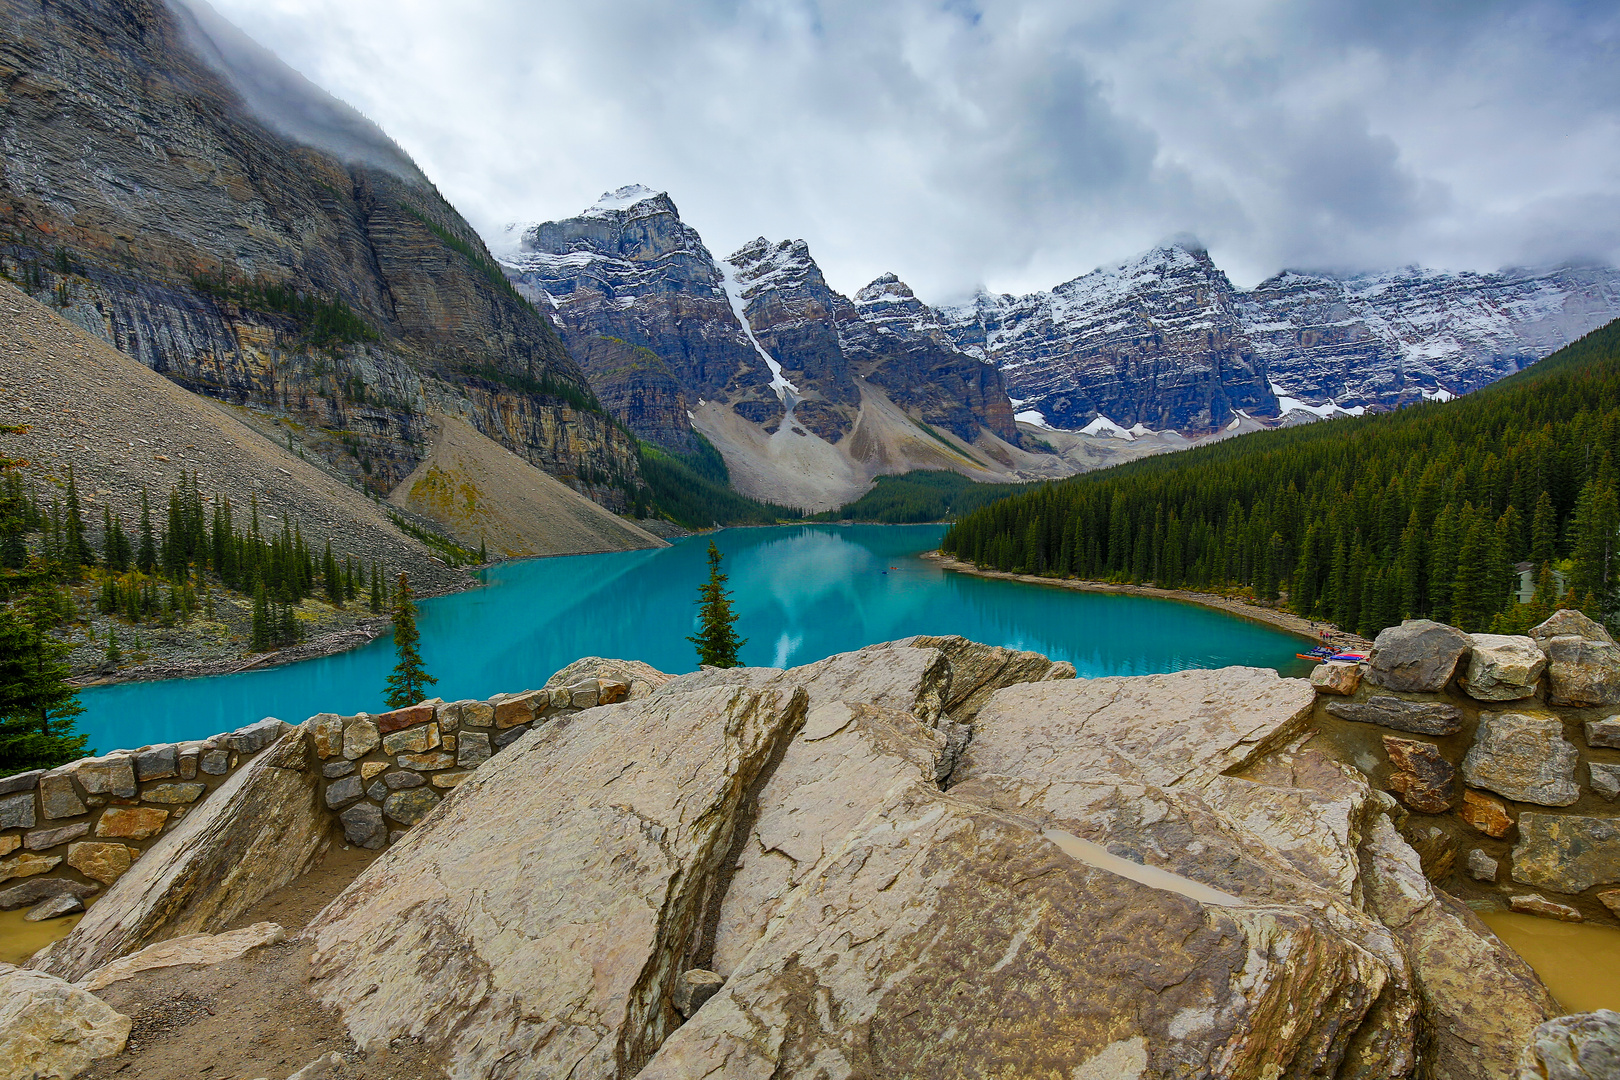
623	199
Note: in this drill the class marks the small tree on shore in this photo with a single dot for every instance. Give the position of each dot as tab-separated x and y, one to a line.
716	640
410	680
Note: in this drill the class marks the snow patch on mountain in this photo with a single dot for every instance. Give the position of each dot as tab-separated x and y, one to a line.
785	391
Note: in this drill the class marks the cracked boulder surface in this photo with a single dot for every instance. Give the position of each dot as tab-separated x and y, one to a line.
1124	877
535	923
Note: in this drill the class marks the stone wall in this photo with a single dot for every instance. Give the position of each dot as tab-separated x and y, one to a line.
86	823
1505	751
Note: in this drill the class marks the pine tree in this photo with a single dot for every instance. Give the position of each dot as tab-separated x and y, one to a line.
409	682
261	617
37	706
146	558
114	655
330	577
376	604
483	556
716	640
76	550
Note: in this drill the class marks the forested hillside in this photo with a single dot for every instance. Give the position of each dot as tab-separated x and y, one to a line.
1363	522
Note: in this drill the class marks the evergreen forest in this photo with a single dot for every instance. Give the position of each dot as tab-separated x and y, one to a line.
1362	522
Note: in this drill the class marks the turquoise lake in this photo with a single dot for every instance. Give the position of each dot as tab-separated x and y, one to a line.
802	593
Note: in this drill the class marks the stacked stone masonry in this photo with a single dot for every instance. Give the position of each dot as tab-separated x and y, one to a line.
1505	750
67	833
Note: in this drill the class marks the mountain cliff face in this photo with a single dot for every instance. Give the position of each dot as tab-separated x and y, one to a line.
806	393
177	191
1155	341
1165	341
1393	338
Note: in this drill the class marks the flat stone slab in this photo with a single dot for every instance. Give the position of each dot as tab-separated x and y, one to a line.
1099	730
1416	717
191	949
1568	853
1524	757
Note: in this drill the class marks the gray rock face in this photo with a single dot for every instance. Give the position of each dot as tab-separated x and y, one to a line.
1523	757
693	988
1418	656
472	749
1418	717
1378	340
1503	668
259	830
1481	867
1585	1046
54	907
363	826
567	970
57	796
27	781
17	812
1567	853
294	209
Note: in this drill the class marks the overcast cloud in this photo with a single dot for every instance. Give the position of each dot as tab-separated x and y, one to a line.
1013	144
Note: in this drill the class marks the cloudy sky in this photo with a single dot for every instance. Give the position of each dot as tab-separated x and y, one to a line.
1010	144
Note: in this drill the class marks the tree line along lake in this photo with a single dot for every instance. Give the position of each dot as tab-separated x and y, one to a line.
802	592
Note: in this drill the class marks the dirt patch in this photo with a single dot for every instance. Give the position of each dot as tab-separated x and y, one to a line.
252	1017
294	904
1283	620
240	1020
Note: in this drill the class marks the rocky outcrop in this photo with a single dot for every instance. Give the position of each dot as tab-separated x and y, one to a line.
190	949
262	828
1524	757
51	1030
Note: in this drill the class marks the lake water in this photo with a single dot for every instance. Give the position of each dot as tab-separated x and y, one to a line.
802	593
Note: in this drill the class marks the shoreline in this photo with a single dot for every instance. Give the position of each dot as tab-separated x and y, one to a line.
1285	621
330	644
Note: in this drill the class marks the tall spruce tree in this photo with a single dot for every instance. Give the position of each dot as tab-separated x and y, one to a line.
409	682
146	556
37	706
716	640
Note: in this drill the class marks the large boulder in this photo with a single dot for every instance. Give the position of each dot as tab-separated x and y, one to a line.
1503	667
1583	662
1524	757
641	679
259	830
1418	656
51	1030
1584	1046
545	911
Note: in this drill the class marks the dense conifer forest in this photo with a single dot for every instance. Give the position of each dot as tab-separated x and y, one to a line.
922	495
1421	513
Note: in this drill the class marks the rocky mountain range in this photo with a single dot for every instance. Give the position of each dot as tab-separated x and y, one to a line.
179	192
1166	342
807	393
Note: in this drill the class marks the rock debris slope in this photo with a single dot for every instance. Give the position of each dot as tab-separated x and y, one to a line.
1147	877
